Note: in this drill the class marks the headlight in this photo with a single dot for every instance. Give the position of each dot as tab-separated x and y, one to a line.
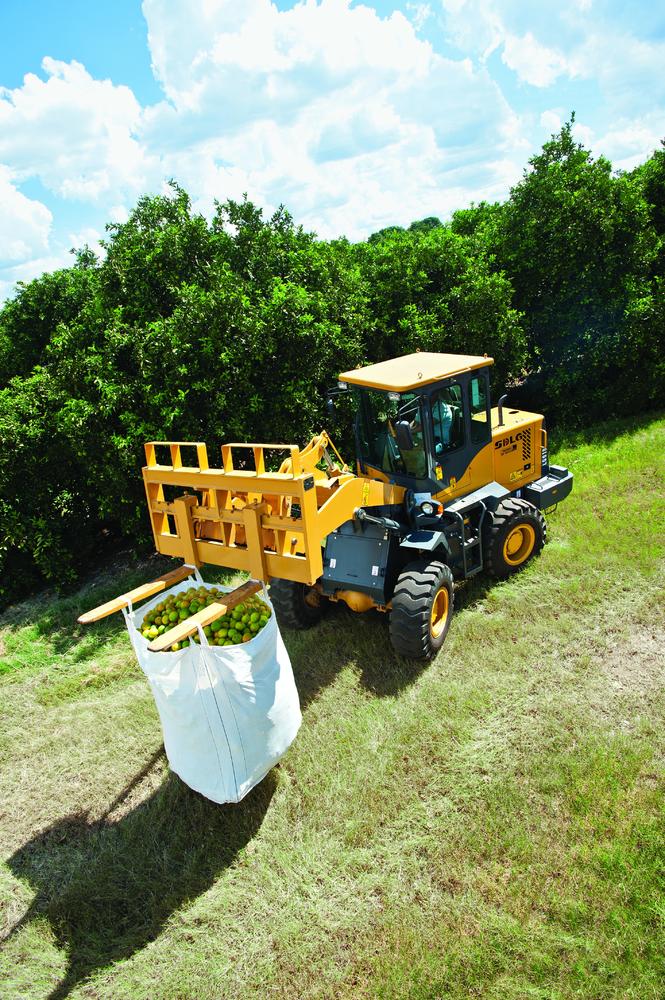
427	508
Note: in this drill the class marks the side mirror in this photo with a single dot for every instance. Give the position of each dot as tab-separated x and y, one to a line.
404	435
330	407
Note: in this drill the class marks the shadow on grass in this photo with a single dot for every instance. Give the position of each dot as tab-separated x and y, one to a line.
344	638
107	887
54	616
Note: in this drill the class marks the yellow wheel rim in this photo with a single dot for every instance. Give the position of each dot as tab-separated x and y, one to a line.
439	614
519	544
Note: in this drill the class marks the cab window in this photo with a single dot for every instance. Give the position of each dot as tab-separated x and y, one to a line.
379	412
448	419
478	408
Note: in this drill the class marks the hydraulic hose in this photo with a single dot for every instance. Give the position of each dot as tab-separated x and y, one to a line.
384	522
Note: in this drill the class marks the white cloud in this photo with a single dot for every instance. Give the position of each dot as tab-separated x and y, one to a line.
25	224
584	134
420	13
629	141
118	213
629	70
75	133
30	269
329	36
534	63
347	117
551	120
86	237
352	119
562	39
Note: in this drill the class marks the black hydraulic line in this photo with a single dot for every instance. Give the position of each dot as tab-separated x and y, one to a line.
384	522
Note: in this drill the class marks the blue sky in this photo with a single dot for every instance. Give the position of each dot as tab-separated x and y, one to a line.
355	115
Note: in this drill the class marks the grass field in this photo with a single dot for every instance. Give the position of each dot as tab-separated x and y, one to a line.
490	825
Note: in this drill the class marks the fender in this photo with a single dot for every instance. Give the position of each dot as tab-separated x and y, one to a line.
425	539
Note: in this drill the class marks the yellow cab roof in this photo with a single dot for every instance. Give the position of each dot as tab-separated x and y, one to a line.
414	370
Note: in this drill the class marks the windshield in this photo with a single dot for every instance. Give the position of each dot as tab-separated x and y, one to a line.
378	415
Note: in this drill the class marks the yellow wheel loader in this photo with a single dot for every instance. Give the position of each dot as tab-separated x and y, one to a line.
445	486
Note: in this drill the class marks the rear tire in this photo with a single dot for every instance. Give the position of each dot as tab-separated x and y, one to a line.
518	533
422	608
296	605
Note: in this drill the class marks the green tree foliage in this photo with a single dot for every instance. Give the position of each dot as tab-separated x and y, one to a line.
190	331
579	248
651	178
424	225
233	329
28	321
428	289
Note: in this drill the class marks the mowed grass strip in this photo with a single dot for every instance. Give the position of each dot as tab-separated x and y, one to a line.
490	825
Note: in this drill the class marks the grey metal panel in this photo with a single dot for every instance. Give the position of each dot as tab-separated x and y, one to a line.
492	491
428	541
357	560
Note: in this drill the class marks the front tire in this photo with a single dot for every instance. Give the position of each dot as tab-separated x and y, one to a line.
518	533
422	607
296	605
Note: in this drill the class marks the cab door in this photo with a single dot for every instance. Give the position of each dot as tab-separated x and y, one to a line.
462	435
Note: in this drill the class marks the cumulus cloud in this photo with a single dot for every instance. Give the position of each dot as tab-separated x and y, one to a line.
76	134
626	68
25	224
551	120
419	14
30	269
349	118
534	63
353	119
568	39
628	140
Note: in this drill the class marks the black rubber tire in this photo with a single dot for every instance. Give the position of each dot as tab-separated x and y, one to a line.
410	616
510	514
291	608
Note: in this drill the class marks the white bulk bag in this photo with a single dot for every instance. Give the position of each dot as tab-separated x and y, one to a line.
228	713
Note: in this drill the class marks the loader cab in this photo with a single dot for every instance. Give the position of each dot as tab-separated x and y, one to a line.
422	418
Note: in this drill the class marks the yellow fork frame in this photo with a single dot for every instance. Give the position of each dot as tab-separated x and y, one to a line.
269	524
